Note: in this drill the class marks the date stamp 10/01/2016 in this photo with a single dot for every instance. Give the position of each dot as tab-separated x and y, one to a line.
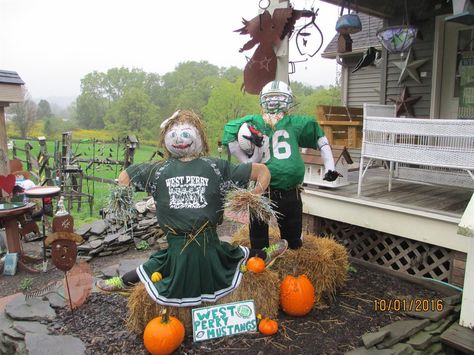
408	305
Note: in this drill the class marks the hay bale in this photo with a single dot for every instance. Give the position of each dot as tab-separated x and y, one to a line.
323	260
262	288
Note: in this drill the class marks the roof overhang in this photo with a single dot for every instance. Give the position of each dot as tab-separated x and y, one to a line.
418	10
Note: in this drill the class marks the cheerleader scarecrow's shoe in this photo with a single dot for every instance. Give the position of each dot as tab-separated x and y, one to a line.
274	251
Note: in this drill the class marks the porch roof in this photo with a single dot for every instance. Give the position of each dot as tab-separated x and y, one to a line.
419	10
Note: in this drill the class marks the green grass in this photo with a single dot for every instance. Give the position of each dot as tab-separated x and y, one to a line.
88	150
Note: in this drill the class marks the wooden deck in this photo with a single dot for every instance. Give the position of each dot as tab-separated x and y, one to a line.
459	338
428	213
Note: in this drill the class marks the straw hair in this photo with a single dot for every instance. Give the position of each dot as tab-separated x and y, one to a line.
190	117
323	260
263	288
242	202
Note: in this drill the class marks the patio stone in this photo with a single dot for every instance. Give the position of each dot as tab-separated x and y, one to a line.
442	327
453	300
123	238
38	344
14	334
99	227
109	238
371	351
130	264
5	300
433	315
422	340
401	330
82	230
403	349
24	327
371	339
5	322
31	309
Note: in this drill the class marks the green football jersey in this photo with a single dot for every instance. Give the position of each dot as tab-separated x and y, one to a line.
282	155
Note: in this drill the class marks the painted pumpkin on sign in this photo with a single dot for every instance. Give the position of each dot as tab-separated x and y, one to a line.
163	335
296	295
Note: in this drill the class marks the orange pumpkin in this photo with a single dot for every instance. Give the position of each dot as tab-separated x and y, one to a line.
163	335
268	326
296	295
256	264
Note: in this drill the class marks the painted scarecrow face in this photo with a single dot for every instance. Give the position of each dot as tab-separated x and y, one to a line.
183	140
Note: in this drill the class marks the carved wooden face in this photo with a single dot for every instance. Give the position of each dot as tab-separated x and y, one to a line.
64	254
183	140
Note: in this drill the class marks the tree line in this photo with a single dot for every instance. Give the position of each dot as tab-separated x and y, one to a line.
132	101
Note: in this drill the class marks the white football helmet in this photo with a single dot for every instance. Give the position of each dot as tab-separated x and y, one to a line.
276	96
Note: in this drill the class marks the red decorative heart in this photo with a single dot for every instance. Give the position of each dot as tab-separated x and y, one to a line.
7	183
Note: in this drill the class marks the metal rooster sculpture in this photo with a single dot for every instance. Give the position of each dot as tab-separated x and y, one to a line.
267	31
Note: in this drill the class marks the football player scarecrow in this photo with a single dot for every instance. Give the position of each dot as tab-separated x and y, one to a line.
274	138
188	188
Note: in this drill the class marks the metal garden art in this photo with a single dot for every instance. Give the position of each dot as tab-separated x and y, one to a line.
121	206
268	31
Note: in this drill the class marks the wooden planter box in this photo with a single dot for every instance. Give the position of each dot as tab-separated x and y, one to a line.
342	125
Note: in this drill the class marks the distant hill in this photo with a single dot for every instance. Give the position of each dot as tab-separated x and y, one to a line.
62	102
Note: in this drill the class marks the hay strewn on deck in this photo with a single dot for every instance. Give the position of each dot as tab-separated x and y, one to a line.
323	260
263	288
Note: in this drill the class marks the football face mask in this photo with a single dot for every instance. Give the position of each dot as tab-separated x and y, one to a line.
183	140
275	103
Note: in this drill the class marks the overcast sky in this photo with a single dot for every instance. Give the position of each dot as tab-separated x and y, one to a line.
52	44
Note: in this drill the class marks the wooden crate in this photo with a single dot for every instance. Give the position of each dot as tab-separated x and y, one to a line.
342	125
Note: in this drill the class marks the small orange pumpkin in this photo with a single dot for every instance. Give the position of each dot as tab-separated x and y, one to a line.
268	326
156	276
256	264
163	335
296	295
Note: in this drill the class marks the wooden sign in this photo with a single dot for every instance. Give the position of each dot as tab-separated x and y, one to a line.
223	319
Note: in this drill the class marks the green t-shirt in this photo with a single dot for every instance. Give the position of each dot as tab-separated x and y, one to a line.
187	194
283	157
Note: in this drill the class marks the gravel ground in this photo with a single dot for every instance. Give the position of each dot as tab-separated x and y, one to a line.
332	328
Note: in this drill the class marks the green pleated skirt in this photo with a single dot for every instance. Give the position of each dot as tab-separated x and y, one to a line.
202	270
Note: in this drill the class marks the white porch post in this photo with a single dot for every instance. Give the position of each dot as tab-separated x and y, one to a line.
466	228
282	50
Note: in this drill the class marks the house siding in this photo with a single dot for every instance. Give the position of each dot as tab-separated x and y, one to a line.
363	86
422	49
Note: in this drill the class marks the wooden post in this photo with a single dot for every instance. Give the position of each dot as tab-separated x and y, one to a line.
4	168
283	49
28	148
466	228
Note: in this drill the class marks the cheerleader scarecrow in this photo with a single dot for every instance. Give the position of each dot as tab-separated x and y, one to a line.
188	188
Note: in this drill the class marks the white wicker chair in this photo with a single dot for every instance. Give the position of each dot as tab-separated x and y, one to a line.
425	142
